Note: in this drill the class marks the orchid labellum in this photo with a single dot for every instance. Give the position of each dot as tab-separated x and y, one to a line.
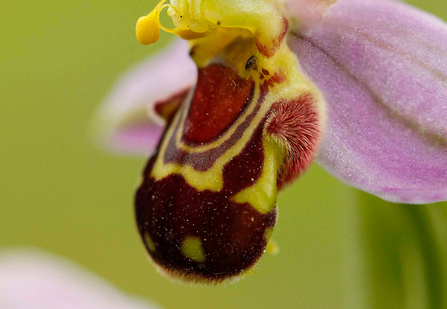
360	85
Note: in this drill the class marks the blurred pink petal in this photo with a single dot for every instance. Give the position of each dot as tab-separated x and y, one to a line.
126	121
382	66
33	280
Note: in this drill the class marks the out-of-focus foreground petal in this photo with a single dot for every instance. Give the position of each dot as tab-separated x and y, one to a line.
126	121
383	70
35	280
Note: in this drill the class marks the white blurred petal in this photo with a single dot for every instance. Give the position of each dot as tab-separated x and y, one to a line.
35	280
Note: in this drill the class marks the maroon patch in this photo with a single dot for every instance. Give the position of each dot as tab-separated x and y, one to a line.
232	235
265	72
219	98
166	109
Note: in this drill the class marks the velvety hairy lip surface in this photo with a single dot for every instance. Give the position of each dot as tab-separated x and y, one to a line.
381	66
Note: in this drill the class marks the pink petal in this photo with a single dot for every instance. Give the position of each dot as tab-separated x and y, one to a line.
36	280
126	121
382	66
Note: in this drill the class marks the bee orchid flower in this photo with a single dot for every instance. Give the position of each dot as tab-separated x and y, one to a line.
259	90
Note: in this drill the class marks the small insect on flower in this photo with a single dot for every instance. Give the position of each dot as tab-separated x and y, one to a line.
252	120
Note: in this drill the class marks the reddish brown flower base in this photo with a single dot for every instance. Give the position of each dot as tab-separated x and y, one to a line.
233	236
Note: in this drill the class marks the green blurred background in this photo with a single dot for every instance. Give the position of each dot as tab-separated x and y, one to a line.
339	248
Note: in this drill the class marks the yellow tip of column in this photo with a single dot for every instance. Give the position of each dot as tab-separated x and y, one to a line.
148	30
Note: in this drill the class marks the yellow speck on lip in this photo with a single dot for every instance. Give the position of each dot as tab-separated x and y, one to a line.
192	249
149	243
272	246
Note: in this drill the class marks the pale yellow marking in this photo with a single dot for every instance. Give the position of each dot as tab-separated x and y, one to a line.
149	243
249	271
192	249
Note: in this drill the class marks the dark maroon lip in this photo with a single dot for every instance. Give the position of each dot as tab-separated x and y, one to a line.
233	235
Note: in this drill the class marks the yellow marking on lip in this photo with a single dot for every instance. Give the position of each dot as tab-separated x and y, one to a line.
272	246
149	243
192	249
262	194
